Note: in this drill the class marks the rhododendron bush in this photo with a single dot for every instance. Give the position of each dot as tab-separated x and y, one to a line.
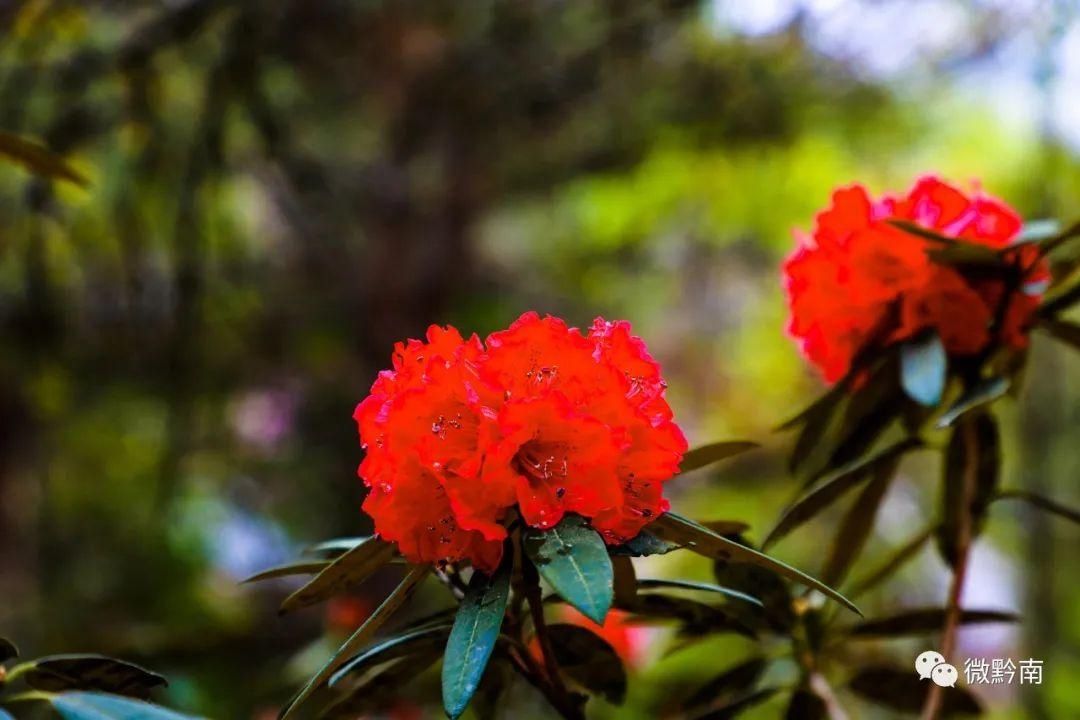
538	458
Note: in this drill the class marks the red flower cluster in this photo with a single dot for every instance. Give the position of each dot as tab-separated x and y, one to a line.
857	275
541	417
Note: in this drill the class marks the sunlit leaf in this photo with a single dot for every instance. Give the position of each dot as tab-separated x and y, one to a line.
56	673
476	628
699	457
901	689
297	568
38	159
982	392
99	706
675	528
740	679
833	489
1041	502
345	573
573	559
650	584
924	621
589	661
415	641
359	638
923	369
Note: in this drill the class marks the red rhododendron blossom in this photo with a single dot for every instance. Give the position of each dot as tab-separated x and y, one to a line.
547	420
857	277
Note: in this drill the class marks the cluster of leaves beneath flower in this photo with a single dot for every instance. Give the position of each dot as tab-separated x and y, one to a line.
898	399
498	627
77	687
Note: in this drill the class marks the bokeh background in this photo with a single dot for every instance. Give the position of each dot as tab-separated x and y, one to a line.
278	191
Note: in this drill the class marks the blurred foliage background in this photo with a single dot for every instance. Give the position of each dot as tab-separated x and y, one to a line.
279	191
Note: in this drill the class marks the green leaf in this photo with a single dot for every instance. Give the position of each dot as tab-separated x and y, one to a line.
589	661
98	706
1038	231
901	689
806	705
297	568
769	588
56	673
38	159
815	420
1064	330
345	573
1043	503
835	488
858	523
362	635
677	529
7	650
652	584
625	581
335	547
870	411
972	470
923	369
476	628
925	233
894	562
5	715
417	641
923	621
643	544
384	689
740	680
573	559
1049	244
705	455
726	527
984	391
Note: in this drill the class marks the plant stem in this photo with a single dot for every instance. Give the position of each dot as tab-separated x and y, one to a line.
932	706
559	696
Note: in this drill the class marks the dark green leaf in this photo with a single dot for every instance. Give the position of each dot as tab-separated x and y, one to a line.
362	635
643	544
893	563
901	689
925	233
383	689
98	706
345	573
971	473
573	559
923	369
734	709
869	413
589	661
765	585
1043	503
335	547
726	527
298	568
487	702
625	581
1049	244
38	159
1064	330
699	457
677	529
806	705
984	391
697	618
835	488
416	641
1059	301
476	628
738	680
858	523
923	621
651	584
7	650
815	420
91	672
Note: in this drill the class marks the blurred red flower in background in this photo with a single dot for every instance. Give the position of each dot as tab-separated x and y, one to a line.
547	419
856	275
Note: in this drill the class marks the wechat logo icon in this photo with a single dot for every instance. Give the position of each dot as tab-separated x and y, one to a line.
932	665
